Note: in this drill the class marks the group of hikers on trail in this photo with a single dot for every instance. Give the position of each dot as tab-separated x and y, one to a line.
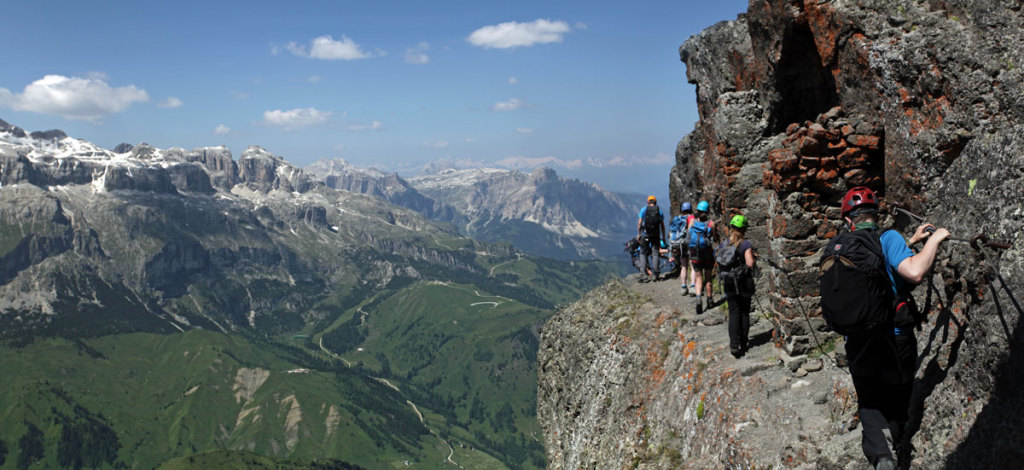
691	249
866	276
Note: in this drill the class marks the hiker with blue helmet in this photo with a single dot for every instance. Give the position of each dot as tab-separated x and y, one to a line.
866	277
651	222
700	247
677	241
735	260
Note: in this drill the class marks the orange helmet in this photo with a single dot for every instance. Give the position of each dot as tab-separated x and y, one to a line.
651	199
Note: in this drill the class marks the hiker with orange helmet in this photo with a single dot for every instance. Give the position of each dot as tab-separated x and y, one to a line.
650	228
866	278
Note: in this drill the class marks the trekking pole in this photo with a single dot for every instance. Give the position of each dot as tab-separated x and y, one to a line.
807	317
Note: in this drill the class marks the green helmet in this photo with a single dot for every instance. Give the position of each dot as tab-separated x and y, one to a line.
738	221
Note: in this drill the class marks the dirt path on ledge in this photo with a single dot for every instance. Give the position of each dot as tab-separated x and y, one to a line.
808	402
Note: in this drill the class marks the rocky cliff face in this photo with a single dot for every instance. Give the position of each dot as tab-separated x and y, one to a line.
919	100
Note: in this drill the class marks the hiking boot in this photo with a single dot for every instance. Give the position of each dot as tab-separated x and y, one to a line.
693	290
736	352
711	303
686	291
700	307
885	463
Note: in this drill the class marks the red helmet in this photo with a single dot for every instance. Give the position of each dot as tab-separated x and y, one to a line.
861	196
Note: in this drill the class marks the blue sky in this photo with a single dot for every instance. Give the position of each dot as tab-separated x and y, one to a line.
594	89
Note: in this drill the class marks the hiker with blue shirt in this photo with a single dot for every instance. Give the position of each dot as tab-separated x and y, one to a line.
874	309
651	222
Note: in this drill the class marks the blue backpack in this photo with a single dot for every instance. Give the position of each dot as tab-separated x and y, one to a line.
700	235
677	229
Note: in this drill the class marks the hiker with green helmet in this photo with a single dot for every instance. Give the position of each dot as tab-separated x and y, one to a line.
701	250
735	259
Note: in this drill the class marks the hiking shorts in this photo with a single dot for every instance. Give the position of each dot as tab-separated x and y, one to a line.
701	259
679	252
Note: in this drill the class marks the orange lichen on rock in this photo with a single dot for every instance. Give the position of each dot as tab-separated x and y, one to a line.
688	349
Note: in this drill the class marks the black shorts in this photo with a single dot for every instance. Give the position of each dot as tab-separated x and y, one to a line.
701	258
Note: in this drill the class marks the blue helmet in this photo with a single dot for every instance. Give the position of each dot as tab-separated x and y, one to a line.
685	207
703	206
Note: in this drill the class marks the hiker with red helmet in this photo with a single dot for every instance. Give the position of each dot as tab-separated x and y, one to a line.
867	275
651	223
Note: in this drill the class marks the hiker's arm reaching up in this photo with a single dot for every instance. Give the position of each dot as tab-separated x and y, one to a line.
914	268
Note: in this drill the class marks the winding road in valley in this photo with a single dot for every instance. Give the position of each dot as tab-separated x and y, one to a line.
451	450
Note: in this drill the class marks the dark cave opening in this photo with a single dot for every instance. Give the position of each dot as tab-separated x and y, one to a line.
805	88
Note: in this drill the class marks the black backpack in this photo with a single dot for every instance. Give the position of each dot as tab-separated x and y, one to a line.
856	293
632	246
652	221
733	272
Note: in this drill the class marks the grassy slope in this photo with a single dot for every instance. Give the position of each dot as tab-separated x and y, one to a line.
464	351
174	395
469	368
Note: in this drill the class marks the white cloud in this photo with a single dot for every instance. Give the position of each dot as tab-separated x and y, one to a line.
440	144
295	118
313	79
86	99
513	81
327	48
510	105
525	163
513	34
524	130
418	55
659	159
240	95
373	126
170	102
221	130
521	162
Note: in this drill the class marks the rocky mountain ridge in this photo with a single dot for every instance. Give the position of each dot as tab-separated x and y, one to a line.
800	101
539	212
156	221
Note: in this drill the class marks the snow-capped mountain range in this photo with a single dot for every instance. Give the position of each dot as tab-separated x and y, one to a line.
538	212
